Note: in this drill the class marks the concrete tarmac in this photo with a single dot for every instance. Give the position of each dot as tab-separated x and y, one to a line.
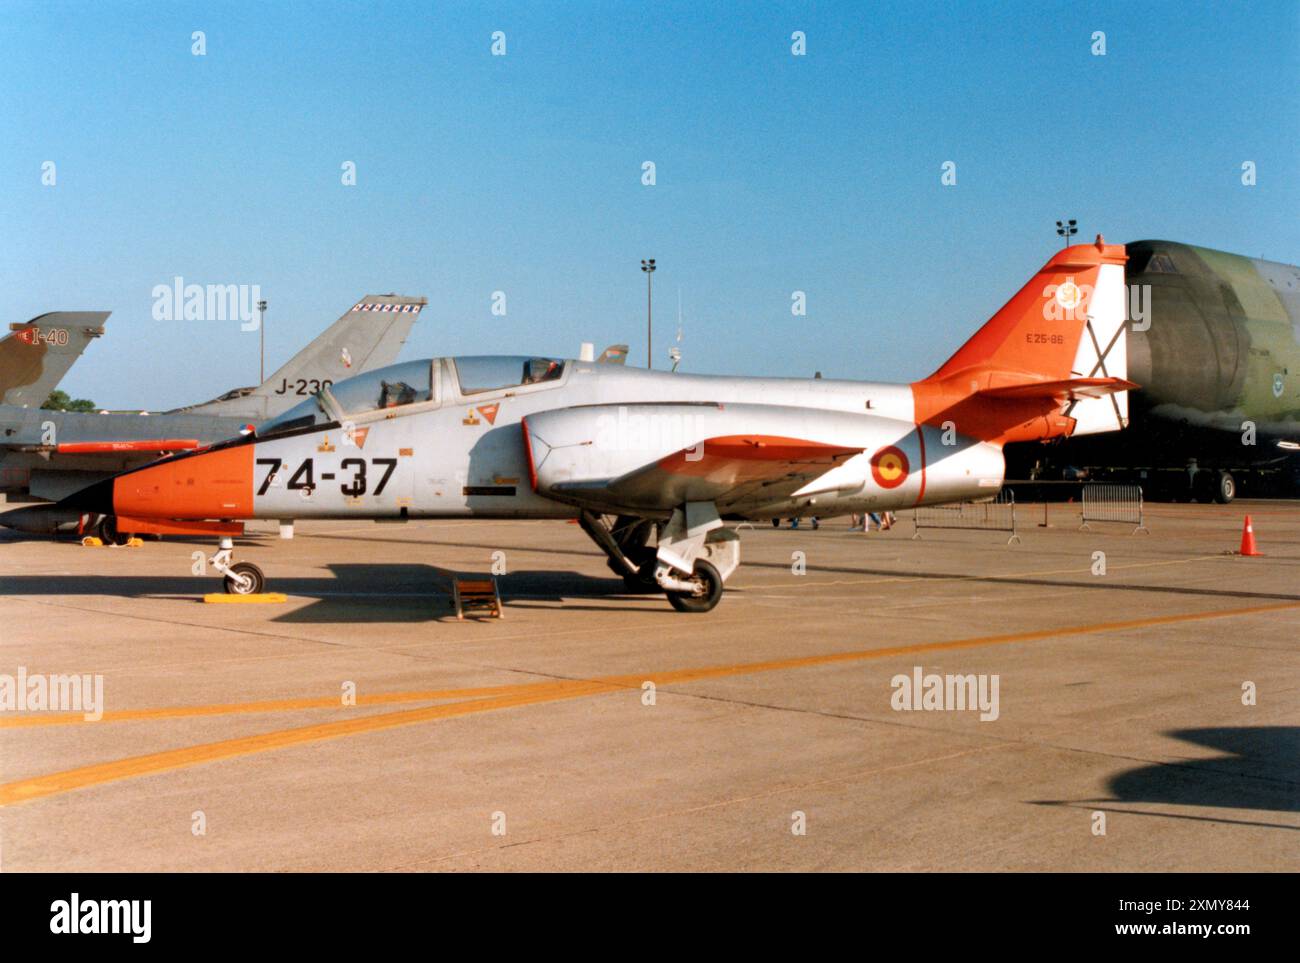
1147	710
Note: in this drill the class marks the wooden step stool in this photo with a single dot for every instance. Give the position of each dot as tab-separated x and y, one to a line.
476	594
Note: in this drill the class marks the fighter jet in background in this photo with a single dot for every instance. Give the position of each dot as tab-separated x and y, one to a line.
36	355
48	454
640	456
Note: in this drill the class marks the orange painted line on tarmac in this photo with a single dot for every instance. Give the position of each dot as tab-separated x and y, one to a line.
32	719
25	790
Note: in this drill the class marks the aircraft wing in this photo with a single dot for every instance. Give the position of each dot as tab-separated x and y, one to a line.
36	355
728	471
639	458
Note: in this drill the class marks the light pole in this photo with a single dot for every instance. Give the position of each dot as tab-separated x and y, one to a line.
649	268
1067	230
261	334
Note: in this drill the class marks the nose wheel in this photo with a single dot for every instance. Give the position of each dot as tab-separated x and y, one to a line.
244	578
239	578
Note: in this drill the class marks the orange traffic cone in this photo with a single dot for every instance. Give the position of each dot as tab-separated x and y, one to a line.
1248	539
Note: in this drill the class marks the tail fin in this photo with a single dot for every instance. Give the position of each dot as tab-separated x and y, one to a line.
35	356
614	354
1052	361
370	335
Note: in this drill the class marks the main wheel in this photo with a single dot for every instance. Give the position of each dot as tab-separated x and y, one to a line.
109	534
644	579
710	582
1225	487
245	579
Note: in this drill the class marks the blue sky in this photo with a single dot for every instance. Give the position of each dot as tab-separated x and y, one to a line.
522	173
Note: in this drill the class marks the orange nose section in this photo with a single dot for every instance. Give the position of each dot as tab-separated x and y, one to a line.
217	484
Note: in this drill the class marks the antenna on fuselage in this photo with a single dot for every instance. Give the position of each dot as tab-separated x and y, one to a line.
675	352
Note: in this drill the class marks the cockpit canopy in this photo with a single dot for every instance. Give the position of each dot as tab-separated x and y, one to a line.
391	387
413	382
491	372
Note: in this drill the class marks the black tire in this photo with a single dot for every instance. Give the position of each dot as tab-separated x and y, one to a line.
1225	487
109	534
256	584
709	578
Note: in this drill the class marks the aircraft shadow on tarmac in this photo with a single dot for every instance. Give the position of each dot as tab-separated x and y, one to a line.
1091	584
1257	770
416	592
386	592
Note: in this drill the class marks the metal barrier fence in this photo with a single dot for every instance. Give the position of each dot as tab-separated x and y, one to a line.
1104	502
995	515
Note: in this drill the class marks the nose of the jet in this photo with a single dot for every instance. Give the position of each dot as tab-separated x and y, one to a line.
93	498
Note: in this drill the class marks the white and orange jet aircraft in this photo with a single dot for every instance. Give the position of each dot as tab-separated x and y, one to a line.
653	464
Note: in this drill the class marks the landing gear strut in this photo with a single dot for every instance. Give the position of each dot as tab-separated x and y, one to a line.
694	556
241	578
626	548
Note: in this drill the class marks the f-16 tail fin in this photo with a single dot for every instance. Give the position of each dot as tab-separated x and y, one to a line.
36	355
1053	361
368	336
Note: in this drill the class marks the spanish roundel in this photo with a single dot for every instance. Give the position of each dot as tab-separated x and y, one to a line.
889	467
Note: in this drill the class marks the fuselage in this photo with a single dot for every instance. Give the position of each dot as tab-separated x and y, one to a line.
445	439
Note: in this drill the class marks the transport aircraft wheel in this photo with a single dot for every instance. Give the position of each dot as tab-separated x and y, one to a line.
254	582
1225	487
711	582
109	534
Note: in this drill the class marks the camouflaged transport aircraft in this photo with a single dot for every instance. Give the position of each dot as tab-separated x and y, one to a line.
1218	358
652	463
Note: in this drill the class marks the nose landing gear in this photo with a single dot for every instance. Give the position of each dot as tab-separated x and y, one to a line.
240	578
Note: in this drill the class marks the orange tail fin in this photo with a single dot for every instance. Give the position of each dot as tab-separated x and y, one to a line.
1052	361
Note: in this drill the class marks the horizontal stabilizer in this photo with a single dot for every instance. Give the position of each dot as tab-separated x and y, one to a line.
1068	388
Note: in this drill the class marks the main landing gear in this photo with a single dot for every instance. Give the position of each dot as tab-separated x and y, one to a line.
240	578
108	532
694	556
